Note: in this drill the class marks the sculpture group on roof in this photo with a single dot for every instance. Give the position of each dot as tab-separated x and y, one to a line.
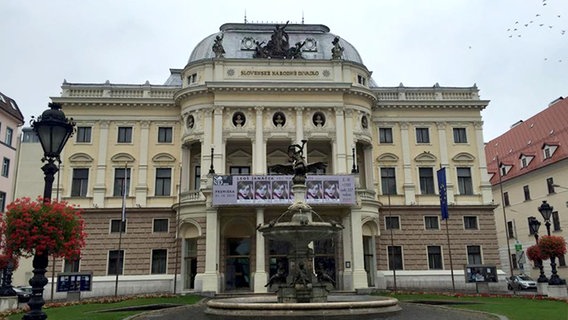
278	46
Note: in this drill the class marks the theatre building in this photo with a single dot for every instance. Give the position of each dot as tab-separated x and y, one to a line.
204	158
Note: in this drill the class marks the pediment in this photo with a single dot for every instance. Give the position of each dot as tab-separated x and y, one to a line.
163	157
387	157
463	157
425	157
80	157
239	154
122	157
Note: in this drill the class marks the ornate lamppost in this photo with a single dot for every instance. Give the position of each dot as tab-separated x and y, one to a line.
546	211
534	225
53	130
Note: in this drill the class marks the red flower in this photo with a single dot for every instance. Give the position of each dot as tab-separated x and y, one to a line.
535	254
32	227
552	246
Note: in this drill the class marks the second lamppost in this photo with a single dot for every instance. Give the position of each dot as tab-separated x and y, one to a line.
534	224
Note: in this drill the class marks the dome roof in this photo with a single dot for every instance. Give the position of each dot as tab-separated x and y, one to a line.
239	41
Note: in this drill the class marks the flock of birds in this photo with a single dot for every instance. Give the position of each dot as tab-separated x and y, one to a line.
546	22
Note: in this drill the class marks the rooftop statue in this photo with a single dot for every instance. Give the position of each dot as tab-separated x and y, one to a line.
278	46
298	168
337	50
218	47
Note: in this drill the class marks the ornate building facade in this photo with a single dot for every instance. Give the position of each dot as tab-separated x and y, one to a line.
245	95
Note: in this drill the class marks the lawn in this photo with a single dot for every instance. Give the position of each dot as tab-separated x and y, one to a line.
514	308
91	311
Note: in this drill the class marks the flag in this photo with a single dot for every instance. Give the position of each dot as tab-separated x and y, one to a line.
443	193
124	192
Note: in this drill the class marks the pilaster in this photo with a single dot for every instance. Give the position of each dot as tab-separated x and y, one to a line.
142	183
99	189
260	276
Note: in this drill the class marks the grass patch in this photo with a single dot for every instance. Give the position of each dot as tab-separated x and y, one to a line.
514	308
90	309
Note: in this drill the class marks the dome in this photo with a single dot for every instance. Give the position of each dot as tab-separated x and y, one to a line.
239	41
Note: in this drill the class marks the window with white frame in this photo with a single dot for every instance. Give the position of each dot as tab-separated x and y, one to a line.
395	257
83	134
120	174
388	181
392	222
431	223
71	265
465	184
124	135
426	177
165	134
163	181
80	182
385	135
161	225
435	258
422	135
9	136
460	135
474	255
5	167
470	222
116	224
115	262
159	261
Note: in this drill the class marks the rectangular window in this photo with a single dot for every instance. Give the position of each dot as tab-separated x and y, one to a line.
115	226
460	135
431	223
163	181
388	181
395	257
115	262
435	258
392	223
71	265
470	222
119	176
159	257
550	185
165	134
161	225
465	184
529	224
9	135
422	135
510	230
5	167
556	221
197	179
426	180
239	170
80	182
547	152
83	134
527	192
385	135
474	255
506	198
124	135
2	201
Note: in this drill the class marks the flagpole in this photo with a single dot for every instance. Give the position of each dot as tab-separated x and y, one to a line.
505	220
176	240
122	223
445	216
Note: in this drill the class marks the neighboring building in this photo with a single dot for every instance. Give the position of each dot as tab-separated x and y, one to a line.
11	119
235	108
529	165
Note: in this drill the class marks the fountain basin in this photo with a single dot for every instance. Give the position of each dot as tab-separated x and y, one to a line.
340	306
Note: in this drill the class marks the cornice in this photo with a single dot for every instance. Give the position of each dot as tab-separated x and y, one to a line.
431	104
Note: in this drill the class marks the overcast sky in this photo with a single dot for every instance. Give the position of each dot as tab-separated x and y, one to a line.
416	42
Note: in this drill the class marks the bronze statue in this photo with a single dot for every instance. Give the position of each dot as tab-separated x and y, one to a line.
218	47
337	50
278	47
298	168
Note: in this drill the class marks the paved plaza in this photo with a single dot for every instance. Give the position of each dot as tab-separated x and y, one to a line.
410	311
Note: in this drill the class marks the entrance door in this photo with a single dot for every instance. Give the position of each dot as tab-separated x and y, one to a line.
190	264
368	260
237	264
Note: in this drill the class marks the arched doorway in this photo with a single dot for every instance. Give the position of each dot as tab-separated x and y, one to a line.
237	248
190	233
369	230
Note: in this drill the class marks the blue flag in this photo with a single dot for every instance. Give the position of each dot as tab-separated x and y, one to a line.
443	193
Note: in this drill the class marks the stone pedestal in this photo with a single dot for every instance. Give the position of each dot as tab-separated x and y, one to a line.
557	291
482	287
303	294
8	303
542	288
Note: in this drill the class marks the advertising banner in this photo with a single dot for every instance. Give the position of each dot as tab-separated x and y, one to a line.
277	190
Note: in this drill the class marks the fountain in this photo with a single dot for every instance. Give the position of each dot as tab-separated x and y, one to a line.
301	293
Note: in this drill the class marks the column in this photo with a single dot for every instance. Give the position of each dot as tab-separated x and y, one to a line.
299	125
142	183
347	255
99	189
259	145
484	185
409	187
349	139
209	280
260	277
444	161
340	164
218	140
207	143
358	265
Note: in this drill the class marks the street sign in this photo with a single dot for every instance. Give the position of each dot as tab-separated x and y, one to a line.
518	247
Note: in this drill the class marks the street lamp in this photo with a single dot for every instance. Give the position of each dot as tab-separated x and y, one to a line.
53	131
534	225
546	211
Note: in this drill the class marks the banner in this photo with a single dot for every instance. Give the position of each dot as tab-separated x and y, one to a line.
277	190
443	193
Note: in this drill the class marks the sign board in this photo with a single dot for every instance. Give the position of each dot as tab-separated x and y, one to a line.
277	190
480	273
518	247
74	281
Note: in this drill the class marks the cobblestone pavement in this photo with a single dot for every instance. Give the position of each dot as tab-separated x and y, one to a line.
411	311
